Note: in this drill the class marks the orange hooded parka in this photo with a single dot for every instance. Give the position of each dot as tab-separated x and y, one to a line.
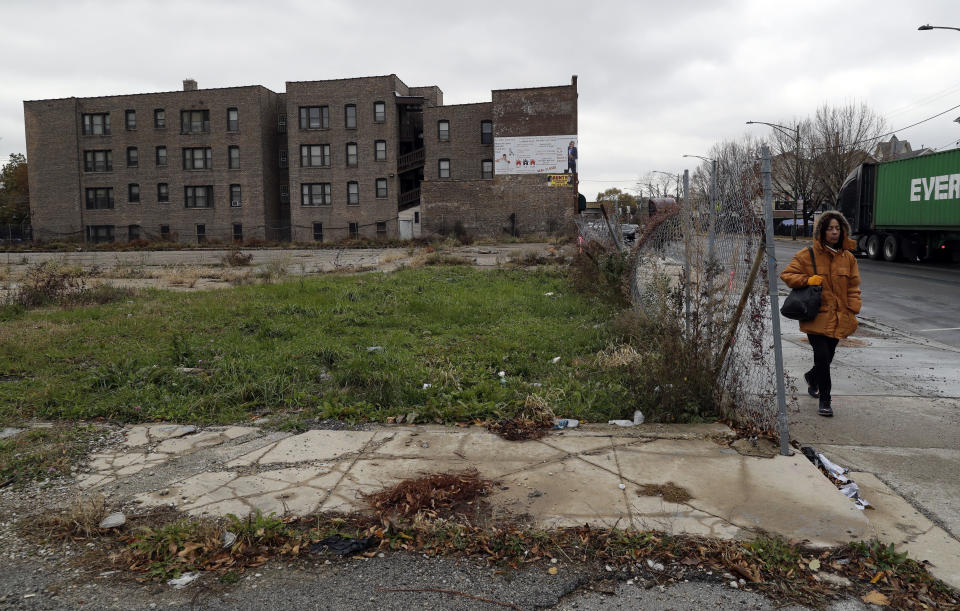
840	298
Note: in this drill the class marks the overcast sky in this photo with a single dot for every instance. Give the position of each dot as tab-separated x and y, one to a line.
657	79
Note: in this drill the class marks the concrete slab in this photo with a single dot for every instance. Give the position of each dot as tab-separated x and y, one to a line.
893	520
867	421
205	439
783	495
570	493
318	445
925	477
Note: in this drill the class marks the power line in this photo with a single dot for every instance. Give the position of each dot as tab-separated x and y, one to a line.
890	133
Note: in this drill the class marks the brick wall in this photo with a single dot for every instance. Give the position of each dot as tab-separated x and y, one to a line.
256	134
55	204
463	149
335	218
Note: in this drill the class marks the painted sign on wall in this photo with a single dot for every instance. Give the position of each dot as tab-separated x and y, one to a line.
535	155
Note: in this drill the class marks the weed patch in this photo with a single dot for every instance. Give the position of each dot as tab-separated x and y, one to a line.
42	453
236	258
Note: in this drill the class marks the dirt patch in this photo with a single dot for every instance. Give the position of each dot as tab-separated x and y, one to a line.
434	495
670	492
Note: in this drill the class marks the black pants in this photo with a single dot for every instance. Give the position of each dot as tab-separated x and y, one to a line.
823	349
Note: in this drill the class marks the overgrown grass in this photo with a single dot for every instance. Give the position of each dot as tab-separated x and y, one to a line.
431	340
42	453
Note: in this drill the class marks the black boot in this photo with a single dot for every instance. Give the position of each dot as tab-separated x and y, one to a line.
812	389
825	409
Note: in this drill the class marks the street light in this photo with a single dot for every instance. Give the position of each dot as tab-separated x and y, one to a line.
926	27
797	197
671	175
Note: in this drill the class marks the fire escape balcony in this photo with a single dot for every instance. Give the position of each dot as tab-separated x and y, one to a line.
409	198
411	160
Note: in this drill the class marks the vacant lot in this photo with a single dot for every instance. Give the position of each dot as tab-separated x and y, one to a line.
433	340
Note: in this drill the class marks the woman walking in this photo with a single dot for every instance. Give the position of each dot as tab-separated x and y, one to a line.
837	274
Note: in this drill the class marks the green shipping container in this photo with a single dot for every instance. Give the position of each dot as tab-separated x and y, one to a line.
919	193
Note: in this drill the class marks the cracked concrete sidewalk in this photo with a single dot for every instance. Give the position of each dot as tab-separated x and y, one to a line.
589	475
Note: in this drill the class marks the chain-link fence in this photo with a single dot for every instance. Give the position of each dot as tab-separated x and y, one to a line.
703	258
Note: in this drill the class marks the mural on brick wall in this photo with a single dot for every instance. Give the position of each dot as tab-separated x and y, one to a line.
535	155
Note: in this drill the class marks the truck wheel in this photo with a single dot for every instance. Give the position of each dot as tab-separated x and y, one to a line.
891	248
873	246
862	243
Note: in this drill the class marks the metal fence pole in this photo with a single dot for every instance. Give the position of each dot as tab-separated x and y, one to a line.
774	304
711	238
685	212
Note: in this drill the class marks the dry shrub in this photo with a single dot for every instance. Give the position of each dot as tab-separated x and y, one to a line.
181	275
619	356
82	519
50	283
532	422
238	277
436	258
602	271
237	258
435	495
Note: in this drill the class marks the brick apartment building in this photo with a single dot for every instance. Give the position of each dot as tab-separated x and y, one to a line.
324	161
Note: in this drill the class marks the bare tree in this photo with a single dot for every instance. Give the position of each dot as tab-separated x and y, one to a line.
842	136
657	184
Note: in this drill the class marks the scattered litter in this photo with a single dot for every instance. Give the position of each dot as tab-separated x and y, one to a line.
565	423
343	546
622	486
637	417
534	494
847	486
9	432
550	294
29	595
553	570
184	580
108	573
621	422
412	417
501	373
556	359
553	561
425	386
190	370
374	348
734	584
814	565
114	520
228	539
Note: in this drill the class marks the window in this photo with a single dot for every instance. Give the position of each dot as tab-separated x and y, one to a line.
198	197
444	168
486	168
233	120
238	232
380	150
314	155
99	198
318	232
163	192
133	233
159	118
97	161
351	154
130	117
314	117
133	157
315	194
443	130
379	112
381	188
282	123
133	193
96	124
233	157
165	232
416	218
100	233
161	156
282	161
194	121
350	116
354	231
486	132
284	194
198	158
381	228
201	234
353	193
235	201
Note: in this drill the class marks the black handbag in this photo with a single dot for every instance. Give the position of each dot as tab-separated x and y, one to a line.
803	303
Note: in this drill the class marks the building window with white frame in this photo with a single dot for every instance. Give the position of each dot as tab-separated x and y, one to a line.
443	168
315	194
443	130
379	112
380	150
97	161
381	188
96	124
314	117
194	121
351	154
197	158
353	193
314	155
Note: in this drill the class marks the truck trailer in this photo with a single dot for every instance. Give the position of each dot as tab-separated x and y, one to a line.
905	209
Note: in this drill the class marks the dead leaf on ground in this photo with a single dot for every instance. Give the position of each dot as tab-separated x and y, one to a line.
670	492
875	598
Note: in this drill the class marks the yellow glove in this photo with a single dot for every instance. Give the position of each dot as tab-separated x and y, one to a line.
814	280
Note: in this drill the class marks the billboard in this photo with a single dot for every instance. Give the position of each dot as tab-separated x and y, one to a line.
535	155
559	180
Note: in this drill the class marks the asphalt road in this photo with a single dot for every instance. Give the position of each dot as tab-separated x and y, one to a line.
919	298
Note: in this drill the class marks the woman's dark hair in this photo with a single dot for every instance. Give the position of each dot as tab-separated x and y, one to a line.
825	222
